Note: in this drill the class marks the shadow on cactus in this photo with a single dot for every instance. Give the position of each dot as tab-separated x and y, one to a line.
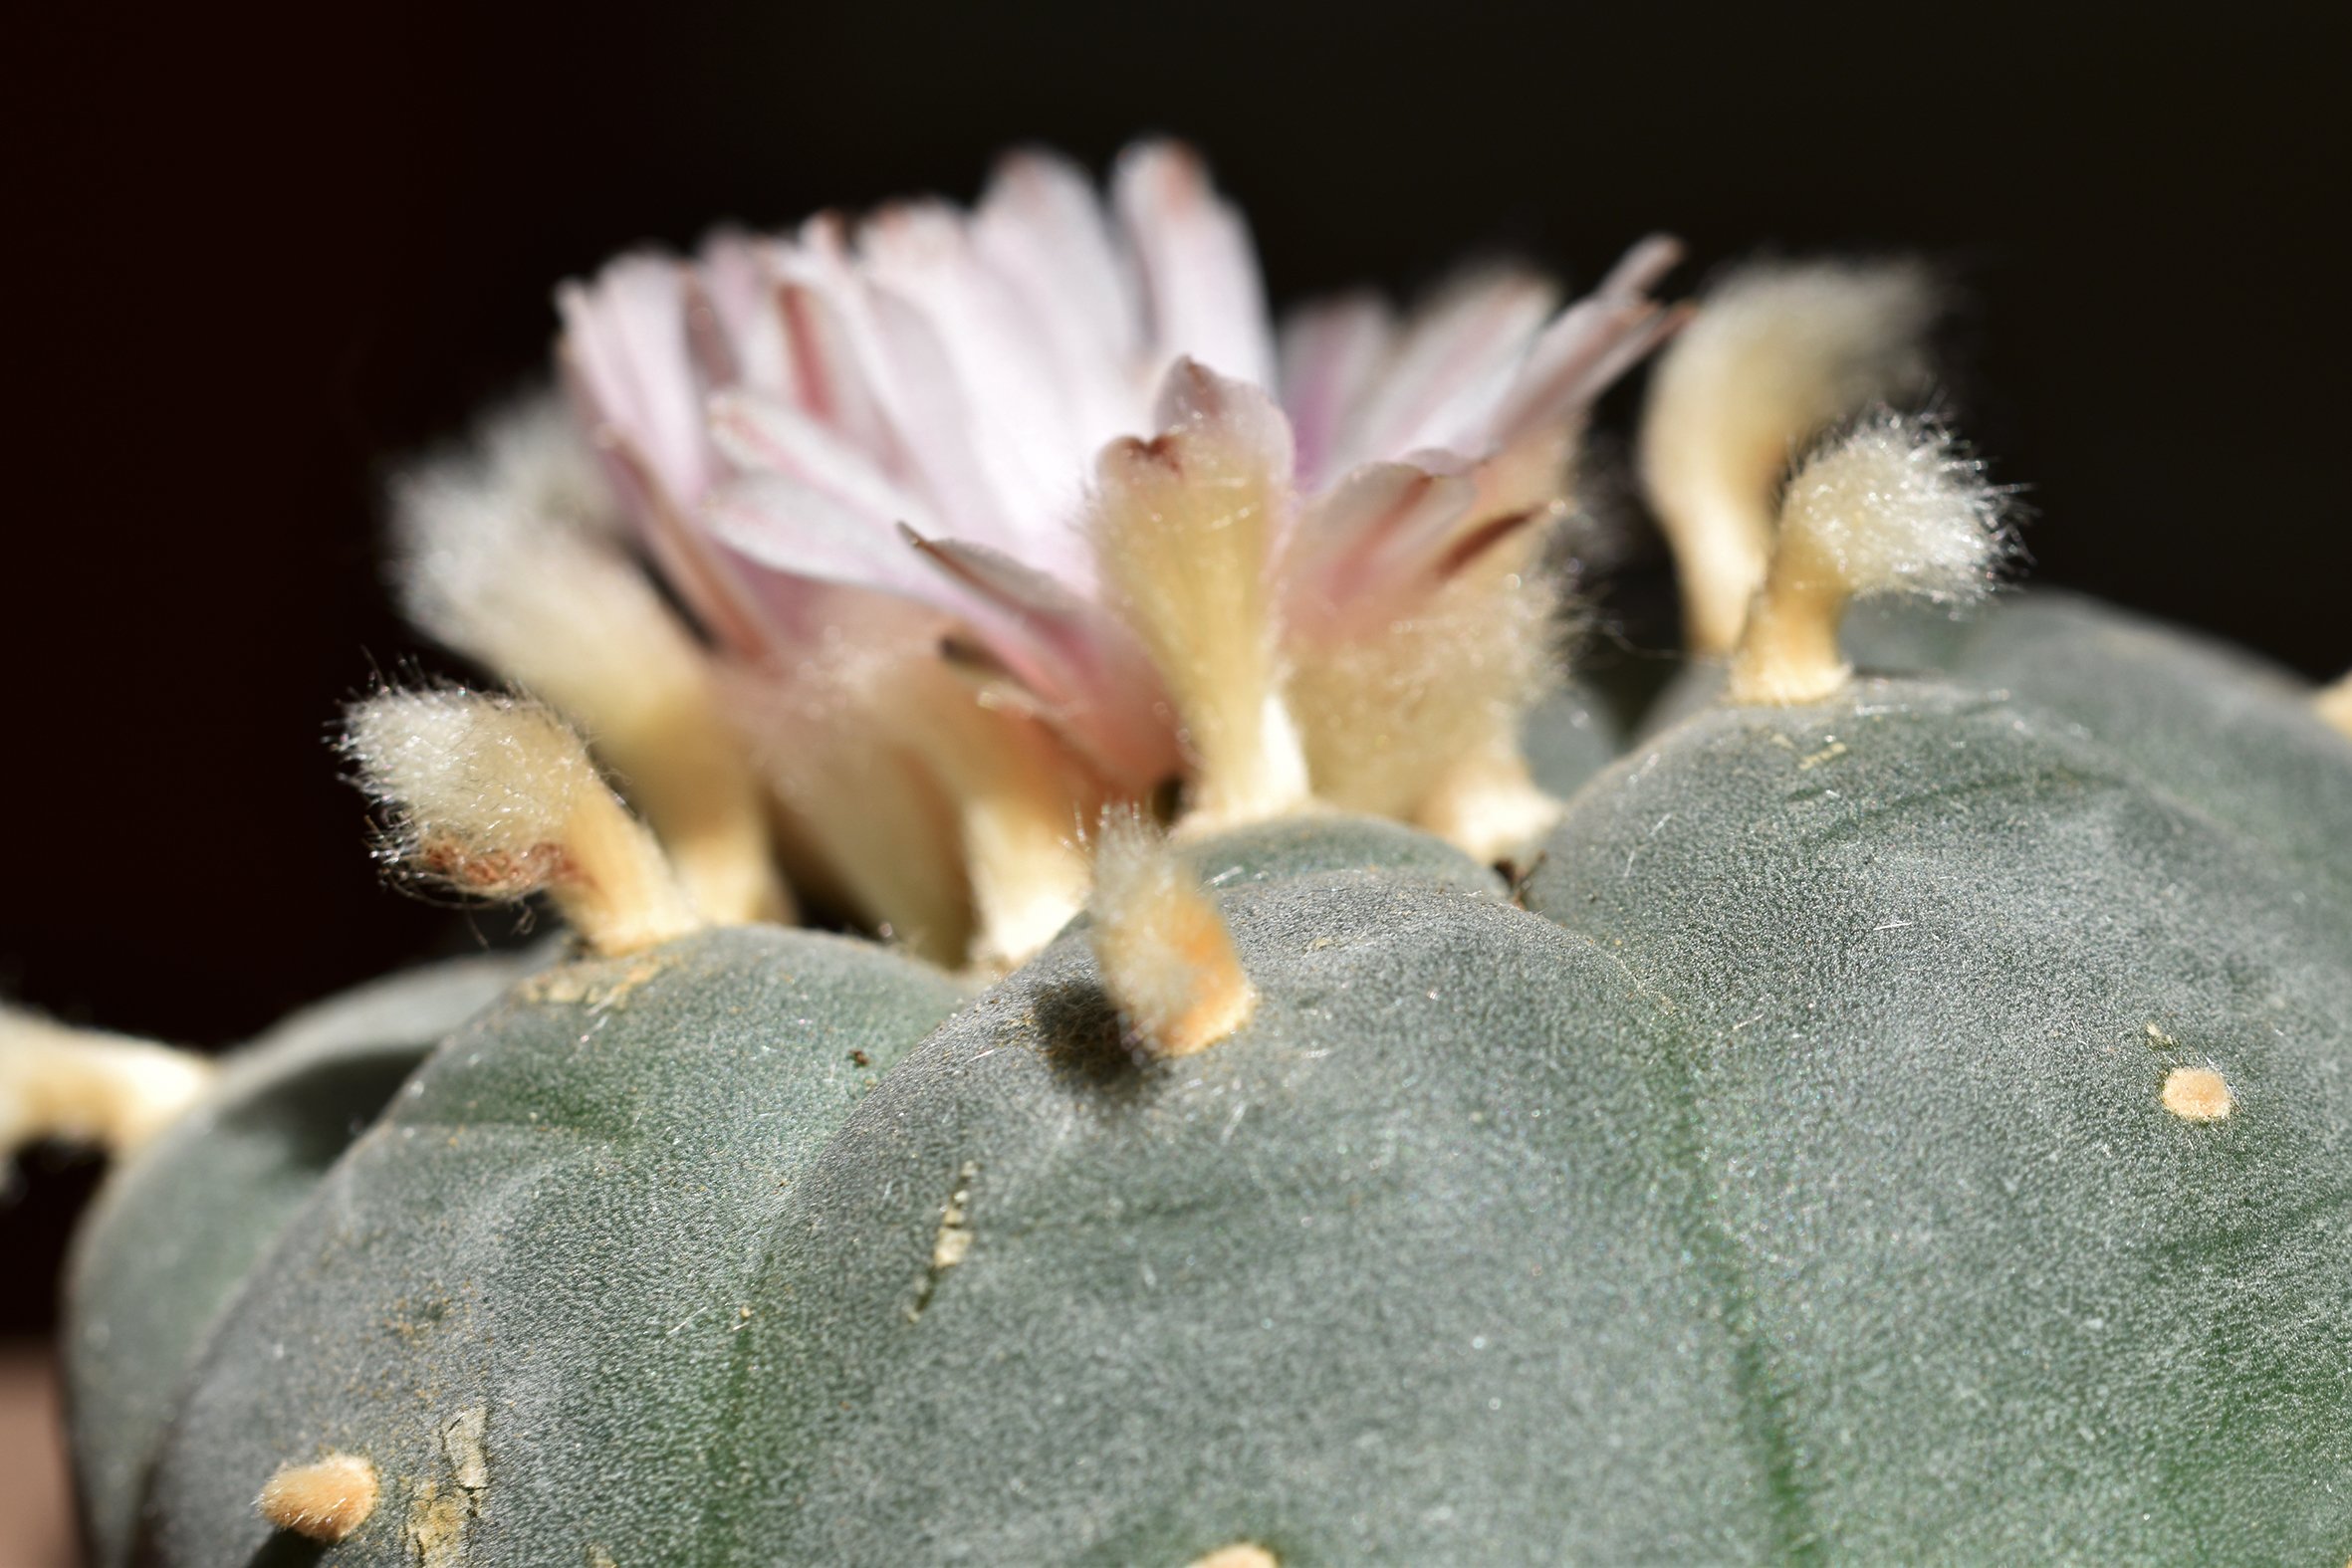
1279	1087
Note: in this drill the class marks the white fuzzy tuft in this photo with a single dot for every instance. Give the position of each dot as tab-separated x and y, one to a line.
1891	507
1895	507
1166	956
87	1087
507	554
1776	354
495	796
479	787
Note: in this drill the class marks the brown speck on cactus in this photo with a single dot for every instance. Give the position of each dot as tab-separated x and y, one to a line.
325	1500
1165	955
2197	1094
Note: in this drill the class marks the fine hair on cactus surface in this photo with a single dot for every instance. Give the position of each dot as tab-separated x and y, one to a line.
1123	999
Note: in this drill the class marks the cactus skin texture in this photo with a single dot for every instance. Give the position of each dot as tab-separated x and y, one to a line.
177	1230
1791	1179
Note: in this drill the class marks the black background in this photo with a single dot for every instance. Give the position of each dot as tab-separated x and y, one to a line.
253	258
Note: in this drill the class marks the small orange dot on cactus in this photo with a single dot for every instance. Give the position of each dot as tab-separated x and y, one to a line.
325	1501
2197	1094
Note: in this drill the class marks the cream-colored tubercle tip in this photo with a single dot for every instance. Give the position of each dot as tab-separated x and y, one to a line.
507	554
1777	354
2335	710
495	797
1240	1556
1165	955
325	1501
1892	507
87	1087
1184	527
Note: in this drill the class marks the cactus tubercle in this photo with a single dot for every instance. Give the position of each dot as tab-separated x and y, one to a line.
1891	507
495	797
1165	955
324	1500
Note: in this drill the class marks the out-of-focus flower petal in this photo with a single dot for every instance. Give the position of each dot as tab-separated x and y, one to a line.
759	434
1450	369
626	335
788	525
1592	343
747	315
1370	546
1042	229
1331	351
1200	273
1090	678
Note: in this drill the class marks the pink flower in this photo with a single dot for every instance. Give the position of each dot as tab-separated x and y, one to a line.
1059	439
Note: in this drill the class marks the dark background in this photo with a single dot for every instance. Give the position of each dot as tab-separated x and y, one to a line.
254	258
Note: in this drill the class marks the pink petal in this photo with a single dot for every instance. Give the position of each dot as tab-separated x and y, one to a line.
1331	351
625	335
1019	417
788	524
1093	681
817	297
1368	550
760	434
742	293
1450	366
1200	272
1042	230
1589	345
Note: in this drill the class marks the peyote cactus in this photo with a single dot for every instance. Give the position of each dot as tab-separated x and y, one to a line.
1312	1101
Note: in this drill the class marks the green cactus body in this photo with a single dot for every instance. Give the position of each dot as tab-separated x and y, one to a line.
552	1229
1795	1179
1871	1120
1931	958
177	1230
2216	726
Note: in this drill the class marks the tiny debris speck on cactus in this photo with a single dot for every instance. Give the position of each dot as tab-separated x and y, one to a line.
1273	1076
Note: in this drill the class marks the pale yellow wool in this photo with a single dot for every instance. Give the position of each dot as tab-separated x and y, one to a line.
1165	955
1776	354
2197	1094
1385	717
86	1087
1183	527
324	1500
1239	1556
2335	704
866	826
496	798
1021	806
1891	507
507	557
